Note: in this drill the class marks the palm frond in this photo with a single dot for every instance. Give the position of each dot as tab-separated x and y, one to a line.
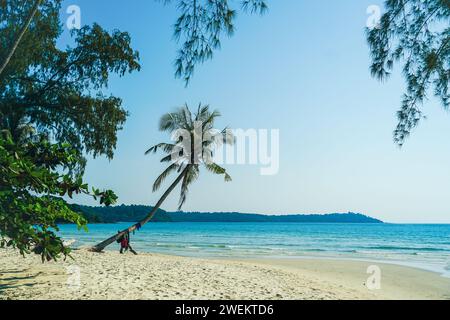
227	177
208	121
167	158
218	138
168	122
207	154
166	147
163	176
198	111
228	136
216	169
187	117
191	175
203	113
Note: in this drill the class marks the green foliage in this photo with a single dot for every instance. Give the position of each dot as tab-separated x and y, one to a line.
200	27
34	178
135	213
417	34
61	92
122	213
53	111
198	126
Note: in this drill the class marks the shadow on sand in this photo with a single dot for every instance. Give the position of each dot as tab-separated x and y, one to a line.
10	279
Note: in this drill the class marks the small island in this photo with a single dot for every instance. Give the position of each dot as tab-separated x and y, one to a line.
135	213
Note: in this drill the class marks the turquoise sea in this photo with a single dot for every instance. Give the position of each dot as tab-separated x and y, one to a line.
424	246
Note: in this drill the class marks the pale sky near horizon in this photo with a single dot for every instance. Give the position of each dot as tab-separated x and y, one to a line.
302	68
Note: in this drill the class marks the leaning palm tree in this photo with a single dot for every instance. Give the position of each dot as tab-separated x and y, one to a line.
195	141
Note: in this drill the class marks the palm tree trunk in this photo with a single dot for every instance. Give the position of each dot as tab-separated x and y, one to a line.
20	35
102	245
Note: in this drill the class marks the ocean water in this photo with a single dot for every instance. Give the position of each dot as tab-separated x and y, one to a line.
422	246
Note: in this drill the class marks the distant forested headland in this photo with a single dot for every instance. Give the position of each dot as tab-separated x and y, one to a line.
134	213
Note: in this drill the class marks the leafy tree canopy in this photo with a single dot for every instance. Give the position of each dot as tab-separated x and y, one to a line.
417	34
59	92
53	112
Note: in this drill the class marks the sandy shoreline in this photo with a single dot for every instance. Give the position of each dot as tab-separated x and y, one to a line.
152	276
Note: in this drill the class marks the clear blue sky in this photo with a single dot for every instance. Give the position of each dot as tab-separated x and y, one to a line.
302	68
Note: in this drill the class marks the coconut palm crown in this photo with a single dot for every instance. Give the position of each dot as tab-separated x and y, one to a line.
195	140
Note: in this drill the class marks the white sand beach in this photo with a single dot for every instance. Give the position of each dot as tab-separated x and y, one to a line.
110	275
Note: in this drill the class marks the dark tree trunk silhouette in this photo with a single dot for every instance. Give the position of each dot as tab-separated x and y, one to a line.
20	35
102	245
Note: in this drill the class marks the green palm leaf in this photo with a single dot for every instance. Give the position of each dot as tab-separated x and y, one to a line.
173	167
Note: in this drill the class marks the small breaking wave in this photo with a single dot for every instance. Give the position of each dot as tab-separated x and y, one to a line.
405	248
